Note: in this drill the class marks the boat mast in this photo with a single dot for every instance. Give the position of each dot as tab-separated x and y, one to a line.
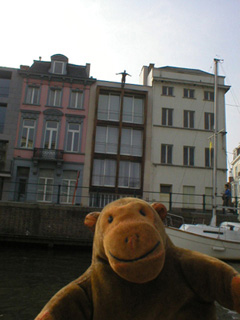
214	212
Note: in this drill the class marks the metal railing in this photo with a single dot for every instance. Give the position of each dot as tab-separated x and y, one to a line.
24	191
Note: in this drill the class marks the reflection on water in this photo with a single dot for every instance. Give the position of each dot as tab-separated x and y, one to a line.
29	276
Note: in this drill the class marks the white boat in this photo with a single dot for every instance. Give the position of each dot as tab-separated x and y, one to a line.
222	242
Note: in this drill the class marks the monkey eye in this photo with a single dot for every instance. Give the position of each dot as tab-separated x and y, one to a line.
110	219
142	213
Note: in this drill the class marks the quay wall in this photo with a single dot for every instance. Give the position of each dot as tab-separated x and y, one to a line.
46	224
64	225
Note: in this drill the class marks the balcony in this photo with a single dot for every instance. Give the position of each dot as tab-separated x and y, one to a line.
48	154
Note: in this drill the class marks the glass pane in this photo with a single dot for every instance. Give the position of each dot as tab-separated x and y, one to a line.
24	138
76	142
123	180
138	111
114	107
100	143
137	143
112	138
110	173
103	107
69	141
127	109
97	172
126	142
30	138
135	175
73	99
2	117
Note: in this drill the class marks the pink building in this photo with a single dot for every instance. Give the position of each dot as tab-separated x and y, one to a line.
51	134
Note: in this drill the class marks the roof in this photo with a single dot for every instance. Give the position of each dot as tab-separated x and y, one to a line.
186	70
43	67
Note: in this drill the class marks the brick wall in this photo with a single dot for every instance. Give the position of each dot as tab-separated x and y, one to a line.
44	223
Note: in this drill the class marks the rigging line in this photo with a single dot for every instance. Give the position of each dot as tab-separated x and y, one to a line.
231	90
233	105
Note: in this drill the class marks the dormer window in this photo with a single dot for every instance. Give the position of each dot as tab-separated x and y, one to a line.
58	64
58	67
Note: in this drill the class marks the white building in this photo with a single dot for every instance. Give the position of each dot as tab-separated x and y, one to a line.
235	184
182	128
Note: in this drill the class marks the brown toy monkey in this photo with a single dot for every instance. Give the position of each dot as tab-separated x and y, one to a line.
137	273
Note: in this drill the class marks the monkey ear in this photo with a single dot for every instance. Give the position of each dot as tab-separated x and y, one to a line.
91	220
161	209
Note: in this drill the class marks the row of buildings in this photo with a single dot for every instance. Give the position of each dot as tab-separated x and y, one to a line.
66	137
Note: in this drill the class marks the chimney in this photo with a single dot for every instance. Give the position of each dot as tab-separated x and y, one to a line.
88	69
22	67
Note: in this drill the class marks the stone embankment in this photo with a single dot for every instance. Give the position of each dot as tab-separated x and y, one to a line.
63	225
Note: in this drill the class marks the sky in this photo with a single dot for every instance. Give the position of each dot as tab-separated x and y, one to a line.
118	35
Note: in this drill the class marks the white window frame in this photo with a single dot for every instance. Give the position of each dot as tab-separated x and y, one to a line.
76	103
28	128
45	182
167	91
166	153
108	112
168	120
209	95
132	113
104	180
32	94
129	178
190	151
74	134
70	187
51	135
55	63
209	116
57	95
106	145
188	115
134	149
188	93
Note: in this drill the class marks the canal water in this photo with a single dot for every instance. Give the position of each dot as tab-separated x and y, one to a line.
29	276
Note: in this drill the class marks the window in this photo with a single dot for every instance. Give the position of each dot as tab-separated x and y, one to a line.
73	137
33	94
188	121
109	107
209	95
3	110
68	186
167	117
129	174
188	197
208	121
188	93
51	133
165	188
167	91
133	108
106	140
28	130
209	157
208	197
76	101
54	98
58	67
188	156
166	153
131	142
104	172
4	87
45	185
